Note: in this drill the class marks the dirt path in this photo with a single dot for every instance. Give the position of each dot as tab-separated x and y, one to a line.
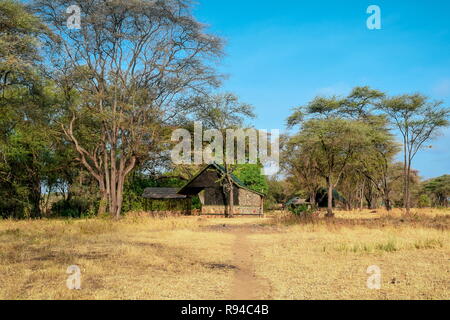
245	283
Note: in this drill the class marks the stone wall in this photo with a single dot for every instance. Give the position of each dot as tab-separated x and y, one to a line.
237	210
248	198
214	196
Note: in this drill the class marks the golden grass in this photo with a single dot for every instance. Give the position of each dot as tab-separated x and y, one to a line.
130	259
328	258
195	258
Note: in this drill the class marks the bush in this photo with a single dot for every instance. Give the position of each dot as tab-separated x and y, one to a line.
301	210
135	186
73	208
424	201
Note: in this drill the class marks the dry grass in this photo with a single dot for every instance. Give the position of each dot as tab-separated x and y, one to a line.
328	258
140	258
194	258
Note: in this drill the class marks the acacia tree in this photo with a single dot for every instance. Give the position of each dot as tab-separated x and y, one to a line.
378	166
336	133
301	169
123	73
333	144
222	112
418	120
21	34
439	189
25	111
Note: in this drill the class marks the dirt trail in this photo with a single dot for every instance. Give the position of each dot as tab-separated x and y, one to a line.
245	283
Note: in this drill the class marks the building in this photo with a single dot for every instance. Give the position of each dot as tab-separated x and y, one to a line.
207	185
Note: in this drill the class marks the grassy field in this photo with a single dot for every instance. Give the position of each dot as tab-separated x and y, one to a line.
277	257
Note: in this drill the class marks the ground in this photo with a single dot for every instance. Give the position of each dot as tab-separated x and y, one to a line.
278	257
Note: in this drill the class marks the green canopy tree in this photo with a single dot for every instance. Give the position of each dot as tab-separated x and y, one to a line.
439	189
21	37
221	112
26	101
333	144
334	134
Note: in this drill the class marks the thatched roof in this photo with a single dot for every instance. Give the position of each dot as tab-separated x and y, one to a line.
162	193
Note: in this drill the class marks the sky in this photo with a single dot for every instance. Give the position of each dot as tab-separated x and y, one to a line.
281	54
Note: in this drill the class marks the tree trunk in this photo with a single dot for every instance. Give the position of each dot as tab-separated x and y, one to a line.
230	197
387	204
330	199
361	196
405	177
407	191
119	193
312	198
103	203
35	199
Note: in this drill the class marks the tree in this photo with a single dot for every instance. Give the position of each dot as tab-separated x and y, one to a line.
438	189
418	120
21	34
278	192
251	177
301	169
333	120
377	164
25	112
123	74
332	144
222	112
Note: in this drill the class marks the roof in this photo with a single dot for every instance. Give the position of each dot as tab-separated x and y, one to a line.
297	201
216	167
162	193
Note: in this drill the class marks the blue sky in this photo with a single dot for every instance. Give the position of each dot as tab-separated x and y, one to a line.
280	54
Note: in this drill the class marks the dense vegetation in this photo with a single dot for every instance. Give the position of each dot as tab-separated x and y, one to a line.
86	117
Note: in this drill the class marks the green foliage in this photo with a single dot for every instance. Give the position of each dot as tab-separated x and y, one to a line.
19	41
438	190
277	193
250	175
302	210
424	201
135	186
72	208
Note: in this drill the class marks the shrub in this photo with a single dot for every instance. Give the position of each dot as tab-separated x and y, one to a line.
301	210
72	208
424	201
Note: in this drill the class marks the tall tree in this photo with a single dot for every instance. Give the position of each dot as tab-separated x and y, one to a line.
333	144
301	168
418	120
340	117
439	189
221	112
129	64
21	35
25	115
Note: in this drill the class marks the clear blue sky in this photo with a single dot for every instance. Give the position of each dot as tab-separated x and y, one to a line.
281	54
